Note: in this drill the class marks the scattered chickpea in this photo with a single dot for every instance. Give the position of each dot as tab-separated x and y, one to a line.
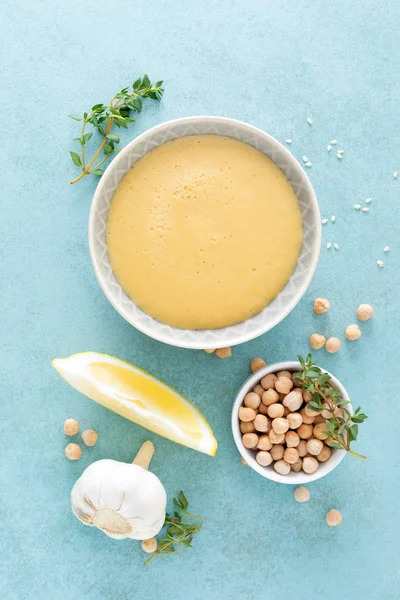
257	364
150	545
302	448
259	389
306	420
291	455
324	454
284	374
209	350
301	494
321	306
332	345
353	332
71	427
89	437
270	396
297	466
262	409
261	423
277	451
252	400
365	312
314	446
275	411
283	385
268	381
73	452
264	443
280	425
293	400
334	517
247	414
317	341
295	420
305	431
250	440
223	352
292	439
263	458
276	438
310	465
320	432
246	427
282	467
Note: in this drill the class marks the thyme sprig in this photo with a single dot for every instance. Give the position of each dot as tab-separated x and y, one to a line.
179	530
342	427
103	118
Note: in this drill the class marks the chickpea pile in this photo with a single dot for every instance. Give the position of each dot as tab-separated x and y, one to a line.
278	426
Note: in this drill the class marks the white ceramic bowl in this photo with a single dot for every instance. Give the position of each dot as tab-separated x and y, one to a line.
281	305
249	455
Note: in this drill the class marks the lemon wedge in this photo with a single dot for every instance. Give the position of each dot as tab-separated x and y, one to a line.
138	396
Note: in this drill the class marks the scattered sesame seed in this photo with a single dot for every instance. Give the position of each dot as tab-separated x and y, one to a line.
329	148
338	155
340	151
357	206
333	142
324	221
336	246
308	164
386	249
396	174
329	245
379	263
365	209
368	200
309	121
289	141
333	218
305	159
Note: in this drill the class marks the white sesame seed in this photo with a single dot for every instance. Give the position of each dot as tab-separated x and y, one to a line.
329	148
396	174
336	246
324	221
308	164
357	206
379	263
329	245
333	218
340	151
338	155
309	121
333	142
365	209
368	200
305	159
386	249
289	141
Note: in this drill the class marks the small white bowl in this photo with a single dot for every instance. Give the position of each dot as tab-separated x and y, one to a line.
249	455
286	299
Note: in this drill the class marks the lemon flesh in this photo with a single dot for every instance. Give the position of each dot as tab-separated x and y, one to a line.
136	395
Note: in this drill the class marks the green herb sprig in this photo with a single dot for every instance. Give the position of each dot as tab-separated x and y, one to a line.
341	429
103	118
179	530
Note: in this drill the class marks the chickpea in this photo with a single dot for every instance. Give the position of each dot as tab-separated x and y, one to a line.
246	414
305	431
275	411
282	467
71	427
317	341
326	413
250	440
89	437
262	409
314	446
257	364
277	451
293	400
252	400
307	420
280	425
150	545
283	385
332	345
264	443
297	466
270	397
301	494
307	396
276	438
73	452
338	412
223	352
365	312
292	439
246	427
261	423
295	382
302	448
291	455
324	454
284	374
353	332
295	420
310	412
310	465
320	432
268	381
334	517
209	350
263	458
319	419
321	306
259	389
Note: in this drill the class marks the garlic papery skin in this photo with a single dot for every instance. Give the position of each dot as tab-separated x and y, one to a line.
123	500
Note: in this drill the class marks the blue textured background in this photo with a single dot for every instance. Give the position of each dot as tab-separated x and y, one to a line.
272	64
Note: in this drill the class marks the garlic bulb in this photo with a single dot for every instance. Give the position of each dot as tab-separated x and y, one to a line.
123	500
